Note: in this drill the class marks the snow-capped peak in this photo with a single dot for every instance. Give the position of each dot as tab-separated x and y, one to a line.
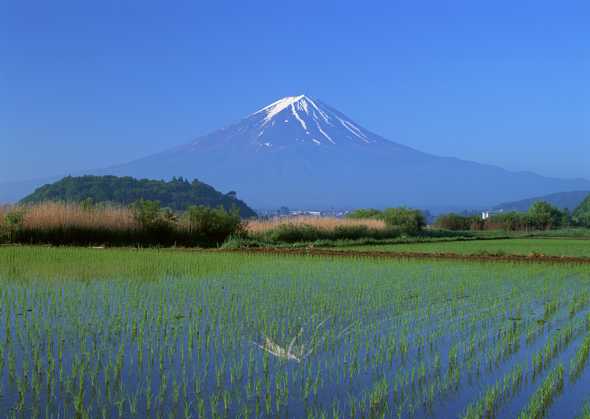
317	123
276	107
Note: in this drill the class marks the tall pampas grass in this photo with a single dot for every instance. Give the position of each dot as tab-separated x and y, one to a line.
320	223
4	209
63	215
59	223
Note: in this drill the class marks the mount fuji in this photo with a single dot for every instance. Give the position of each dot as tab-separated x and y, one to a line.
300	152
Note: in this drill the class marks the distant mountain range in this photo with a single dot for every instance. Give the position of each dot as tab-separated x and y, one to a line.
302	153
561	200
178	194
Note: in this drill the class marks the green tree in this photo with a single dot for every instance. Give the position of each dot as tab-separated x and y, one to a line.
581	215
453	222
146	213
408	221
13	222
544	215
215	224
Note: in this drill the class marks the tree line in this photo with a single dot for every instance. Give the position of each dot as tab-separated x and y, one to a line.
540	216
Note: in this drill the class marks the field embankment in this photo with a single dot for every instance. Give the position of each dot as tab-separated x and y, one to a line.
529	247
369	252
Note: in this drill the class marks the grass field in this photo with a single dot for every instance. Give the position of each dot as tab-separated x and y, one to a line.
147	333
545	246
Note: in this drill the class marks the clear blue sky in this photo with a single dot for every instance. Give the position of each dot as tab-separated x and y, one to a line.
86	84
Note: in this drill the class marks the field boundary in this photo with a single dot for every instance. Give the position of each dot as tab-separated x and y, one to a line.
310	251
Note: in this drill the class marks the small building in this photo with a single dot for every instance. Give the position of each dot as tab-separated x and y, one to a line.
487	214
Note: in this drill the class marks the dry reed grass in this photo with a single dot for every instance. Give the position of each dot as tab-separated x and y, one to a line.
78	224
4	209
60	215
321	223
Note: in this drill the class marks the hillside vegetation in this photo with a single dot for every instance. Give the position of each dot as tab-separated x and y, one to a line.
177	194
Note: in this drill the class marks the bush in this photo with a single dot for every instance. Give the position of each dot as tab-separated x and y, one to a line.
511	221
294	233
408	221
581	215
544	215
291	233
147	213
11	224
214	224
454	222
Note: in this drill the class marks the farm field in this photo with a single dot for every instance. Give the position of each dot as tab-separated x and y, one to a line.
148	333
545	246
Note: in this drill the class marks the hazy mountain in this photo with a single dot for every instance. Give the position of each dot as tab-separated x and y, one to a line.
301	152
561	200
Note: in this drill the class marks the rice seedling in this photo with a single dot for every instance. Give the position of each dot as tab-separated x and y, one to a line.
544	395
579	361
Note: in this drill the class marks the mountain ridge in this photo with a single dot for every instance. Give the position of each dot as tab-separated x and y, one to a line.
563	200
300	152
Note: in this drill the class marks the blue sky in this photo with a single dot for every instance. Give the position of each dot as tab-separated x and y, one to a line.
90	84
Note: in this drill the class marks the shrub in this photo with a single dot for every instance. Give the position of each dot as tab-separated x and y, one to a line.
408	221
146	213
454	222
214	224
294	233
511	221
581	215
291	233
544	215
11	223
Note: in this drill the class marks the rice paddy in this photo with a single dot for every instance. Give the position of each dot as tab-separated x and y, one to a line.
148	333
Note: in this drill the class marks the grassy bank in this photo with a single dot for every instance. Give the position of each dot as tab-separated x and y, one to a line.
516	246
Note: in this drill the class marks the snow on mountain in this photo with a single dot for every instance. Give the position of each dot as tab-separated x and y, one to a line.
299	120
317	123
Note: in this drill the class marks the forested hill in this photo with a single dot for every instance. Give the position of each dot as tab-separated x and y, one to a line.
177	194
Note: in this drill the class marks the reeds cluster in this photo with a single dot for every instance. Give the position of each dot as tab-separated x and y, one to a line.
320	223
311	229
82	224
